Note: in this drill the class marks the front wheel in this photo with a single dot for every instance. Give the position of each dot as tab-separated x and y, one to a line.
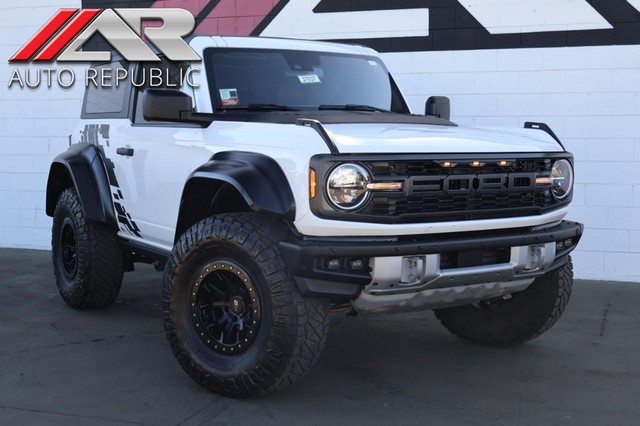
233	316
513	319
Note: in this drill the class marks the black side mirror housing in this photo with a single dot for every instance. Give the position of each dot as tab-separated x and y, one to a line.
438	106
171	105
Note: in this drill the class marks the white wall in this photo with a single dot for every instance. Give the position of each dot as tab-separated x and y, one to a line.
590	96
34	127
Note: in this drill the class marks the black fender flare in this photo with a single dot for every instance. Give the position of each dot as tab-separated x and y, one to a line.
257	177
82	165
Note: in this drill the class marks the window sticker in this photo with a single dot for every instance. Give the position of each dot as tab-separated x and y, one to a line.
229	97
309	79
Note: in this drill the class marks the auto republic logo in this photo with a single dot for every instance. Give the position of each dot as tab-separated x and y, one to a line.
63	36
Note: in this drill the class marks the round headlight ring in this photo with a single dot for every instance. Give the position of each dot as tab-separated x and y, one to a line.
562	179
347	186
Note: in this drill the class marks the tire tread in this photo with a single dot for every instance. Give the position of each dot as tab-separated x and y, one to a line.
540	306
308	318
100	258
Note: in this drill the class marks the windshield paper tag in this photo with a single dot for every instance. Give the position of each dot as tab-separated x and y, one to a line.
309	79
229	97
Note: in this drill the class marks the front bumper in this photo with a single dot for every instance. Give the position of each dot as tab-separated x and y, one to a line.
488	264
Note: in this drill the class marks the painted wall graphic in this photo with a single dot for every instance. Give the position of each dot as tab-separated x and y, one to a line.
418	25
582	79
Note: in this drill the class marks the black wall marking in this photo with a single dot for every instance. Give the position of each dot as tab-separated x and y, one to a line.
452	27
267	20
97	42
128	4
331	6
206	11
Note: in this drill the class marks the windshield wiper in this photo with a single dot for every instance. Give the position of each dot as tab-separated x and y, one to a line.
257	107
352	107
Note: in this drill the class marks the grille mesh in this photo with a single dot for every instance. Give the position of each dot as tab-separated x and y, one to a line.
509	191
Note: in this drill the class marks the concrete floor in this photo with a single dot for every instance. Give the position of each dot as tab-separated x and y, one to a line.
60	366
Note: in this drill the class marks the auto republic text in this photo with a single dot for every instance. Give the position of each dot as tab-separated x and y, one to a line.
106	77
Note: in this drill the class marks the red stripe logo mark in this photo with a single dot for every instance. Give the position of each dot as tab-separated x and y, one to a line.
67	34
43	35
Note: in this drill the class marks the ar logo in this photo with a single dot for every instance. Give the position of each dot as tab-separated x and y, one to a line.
69	29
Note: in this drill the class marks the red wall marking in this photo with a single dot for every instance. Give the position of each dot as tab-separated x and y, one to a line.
229	17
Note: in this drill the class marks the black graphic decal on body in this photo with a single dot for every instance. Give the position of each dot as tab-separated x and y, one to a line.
92	134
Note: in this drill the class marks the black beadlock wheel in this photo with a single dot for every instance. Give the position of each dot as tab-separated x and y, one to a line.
233	316
516	318
69	248
88	263
225	307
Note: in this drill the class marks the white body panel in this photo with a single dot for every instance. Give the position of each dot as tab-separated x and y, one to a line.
420	138
153	179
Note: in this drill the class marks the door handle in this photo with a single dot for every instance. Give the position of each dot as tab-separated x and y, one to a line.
125	151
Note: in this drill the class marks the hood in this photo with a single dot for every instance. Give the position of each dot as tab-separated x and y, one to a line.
423	138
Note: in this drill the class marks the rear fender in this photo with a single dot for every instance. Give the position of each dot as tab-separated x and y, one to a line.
82	167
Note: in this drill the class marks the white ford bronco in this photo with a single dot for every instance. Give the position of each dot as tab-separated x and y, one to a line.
293	182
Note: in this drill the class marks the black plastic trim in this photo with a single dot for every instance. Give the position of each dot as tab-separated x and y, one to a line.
317	126
300	255
85	165
149	252
337	292
545	128
328	117
258	178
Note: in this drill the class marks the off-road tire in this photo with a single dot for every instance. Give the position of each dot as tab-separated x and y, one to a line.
527	315
292	328
94	280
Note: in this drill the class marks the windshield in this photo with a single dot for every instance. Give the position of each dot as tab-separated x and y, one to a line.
300	80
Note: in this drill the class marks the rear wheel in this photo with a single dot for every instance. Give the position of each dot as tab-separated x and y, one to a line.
516	318
87	261
233	315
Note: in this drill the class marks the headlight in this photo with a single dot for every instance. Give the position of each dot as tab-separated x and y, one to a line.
561	179
347	186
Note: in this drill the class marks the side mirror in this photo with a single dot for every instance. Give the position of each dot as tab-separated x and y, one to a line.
438	106
171	105
165	105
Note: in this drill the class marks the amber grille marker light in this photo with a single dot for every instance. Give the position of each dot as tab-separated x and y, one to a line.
312	183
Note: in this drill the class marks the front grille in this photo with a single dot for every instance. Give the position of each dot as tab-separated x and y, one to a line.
461	192
459	207
439	188
427	167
